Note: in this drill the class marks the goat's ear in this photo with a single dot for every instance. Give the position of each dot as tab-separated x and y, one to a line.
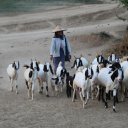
114	75
86	73
67	73
13	64
37	66
18	65
74	76
122	74
74	63
65	70
50	66
56	80
45	68
30	74
92	73
31	65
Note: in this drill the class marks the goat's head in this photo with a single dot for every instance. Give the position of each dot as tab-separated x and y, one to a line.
89	73
48	67
77	63
100	59
34	65
16	65
115	66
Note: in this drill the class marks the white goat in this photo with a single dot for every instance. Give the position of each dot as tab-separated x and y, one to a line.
111	81
30	75
81	82
12	71
124	66
43	76
94	80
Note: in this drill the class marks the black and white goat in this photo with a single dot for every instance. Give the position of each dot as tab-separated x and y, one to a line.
30	75
80	62
98	59
101	61
12	71
43	76
113	58
81	83
57	81
110	79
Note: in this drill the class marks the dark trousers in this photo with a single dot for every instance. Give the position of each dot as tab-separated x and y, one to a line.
56	60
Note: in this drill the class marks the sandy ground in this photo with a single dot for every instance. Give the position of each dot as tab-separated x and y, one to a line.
28	36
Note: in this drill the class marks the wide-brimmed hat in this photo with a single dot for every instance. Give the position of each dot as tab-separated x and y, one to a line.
58	28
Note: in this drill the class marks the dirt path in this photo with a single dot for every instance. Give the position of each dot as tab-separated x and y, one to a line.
16	111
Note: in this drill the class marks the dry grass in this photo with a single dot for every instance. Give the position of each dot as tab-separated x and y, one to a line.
92	40
120	48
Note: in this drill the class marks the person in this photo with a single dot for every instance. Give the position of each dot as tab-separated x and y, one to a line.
58	47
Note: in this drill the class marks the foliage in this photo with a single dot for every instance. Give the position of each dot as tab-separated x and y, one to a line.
124	2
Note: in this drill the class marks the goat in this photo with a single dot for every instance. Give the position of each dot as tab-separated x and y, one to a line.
95	69
30	76
12	71
69	84
124	66
98	59
81	82
111	80
60	73
78	62
113	58
57	80
43	76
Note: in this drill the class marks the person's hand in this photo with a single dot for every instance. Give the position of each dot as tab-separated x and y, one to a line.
51	57
70	57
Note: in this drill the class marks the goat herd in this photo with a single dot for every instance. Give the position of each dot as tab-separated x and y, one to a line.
103	78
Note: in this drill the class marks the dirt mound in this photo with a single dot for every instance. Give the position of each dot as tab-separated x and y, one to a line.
92	40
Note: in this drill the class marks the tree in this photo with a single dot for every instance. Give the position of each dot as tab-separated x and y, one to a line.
124	2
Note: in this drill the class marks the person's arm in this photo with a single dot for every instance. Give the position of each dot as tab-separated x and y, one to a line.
52	48
68	45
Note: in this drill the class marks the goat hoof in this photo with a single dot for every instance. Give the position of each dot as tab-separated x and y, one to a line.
114	110
47	95
17	92
40	92
106	106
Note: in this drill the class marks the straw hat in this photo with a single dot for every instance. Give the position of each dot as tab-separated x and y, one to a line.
58	28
